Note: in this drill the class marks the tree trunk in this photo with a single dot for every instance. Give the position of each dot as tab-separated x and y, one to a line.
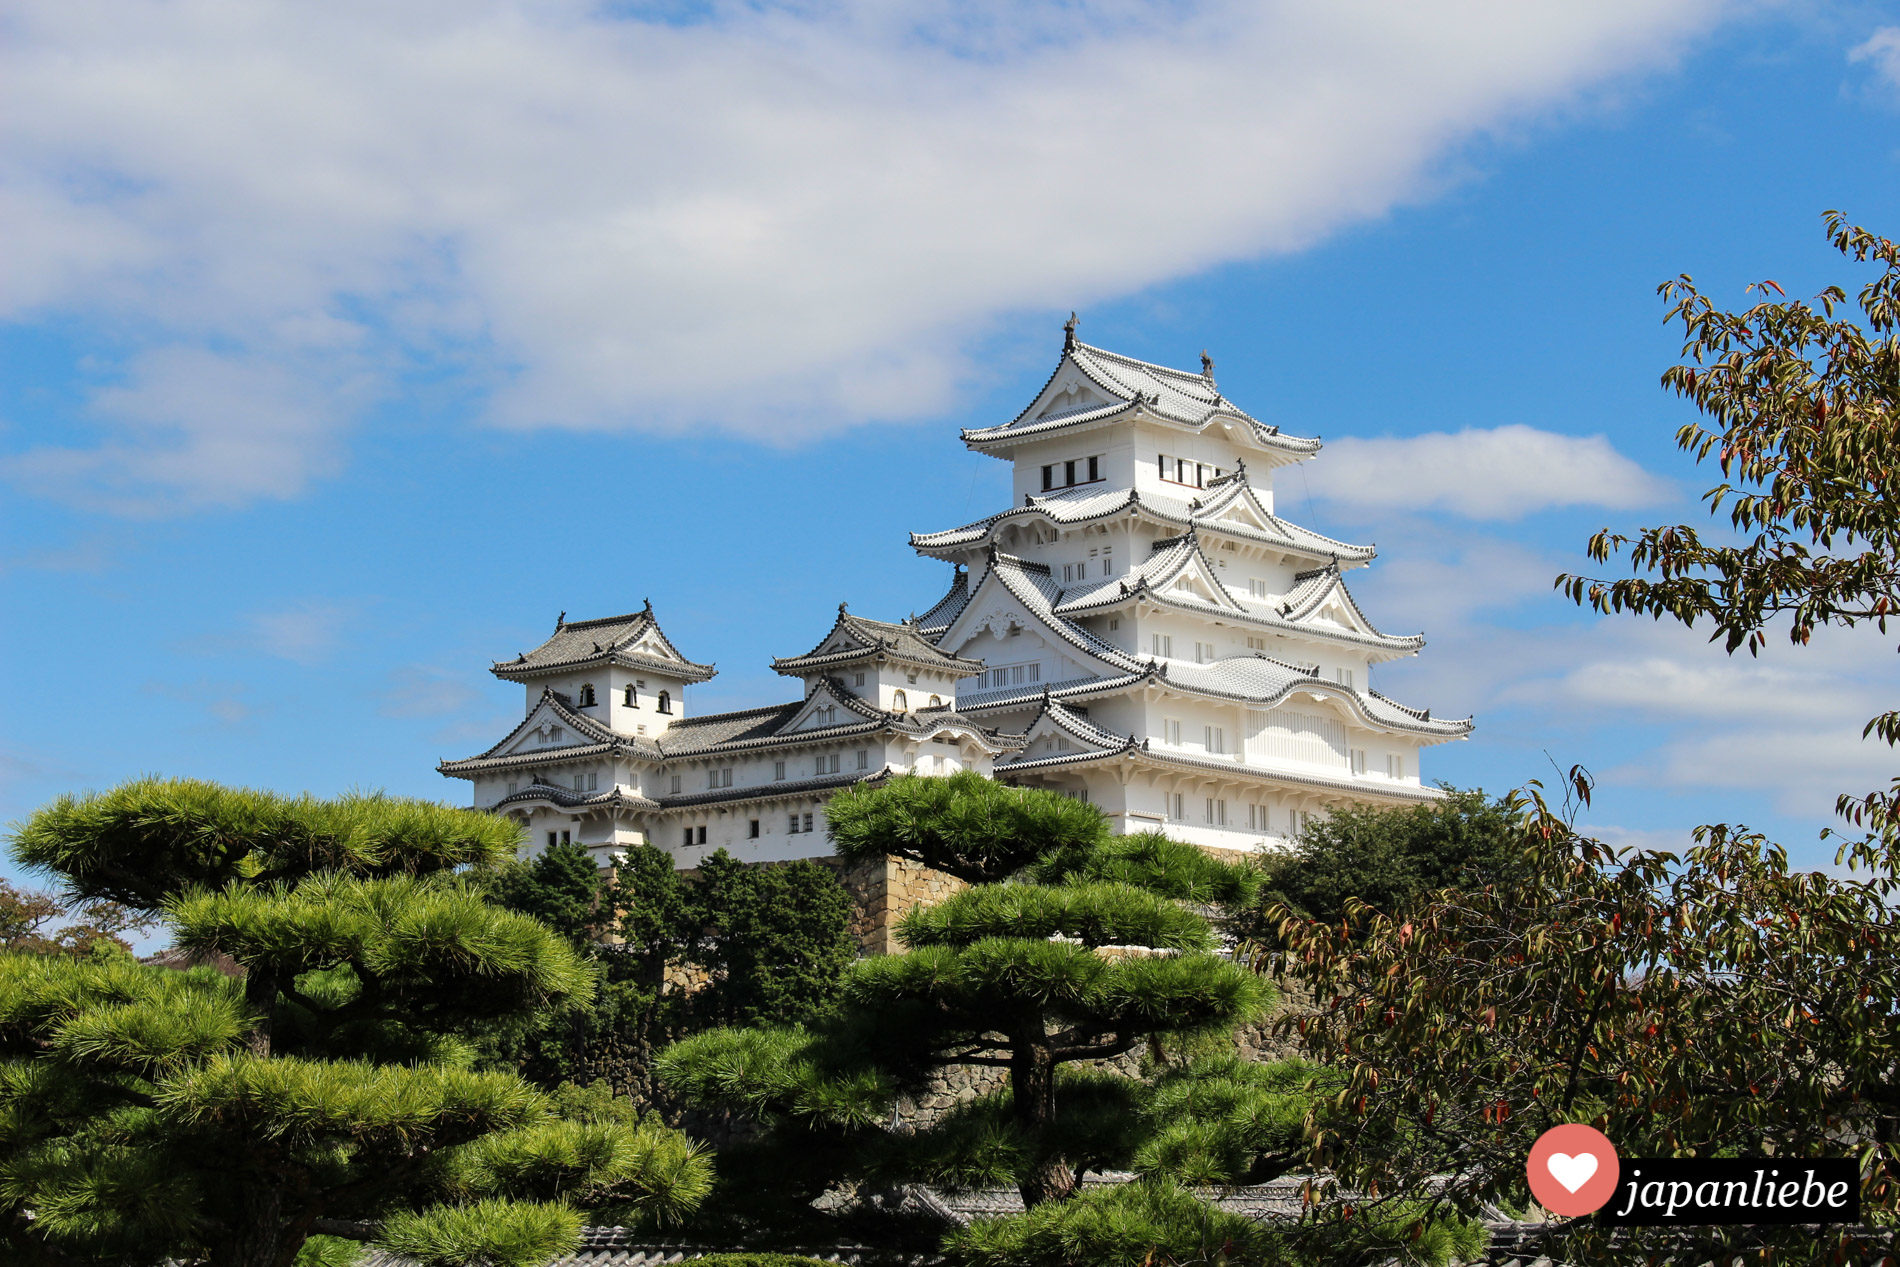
256	1234
260	996
1032	1084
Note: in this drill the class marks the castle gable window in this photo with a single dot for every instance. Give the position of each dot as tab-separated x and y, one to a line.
666	702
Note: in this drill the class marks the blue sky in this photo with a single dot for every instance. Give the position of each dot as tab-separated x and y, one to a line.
341	348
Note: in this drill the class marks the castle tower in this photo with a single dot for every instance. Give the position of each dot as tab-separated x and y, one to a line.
1168	647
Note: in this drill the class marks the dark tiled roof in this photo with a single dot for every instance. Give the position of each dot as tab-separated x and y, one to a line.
568	798
607	639
628	1247
696	734
946	609
853	638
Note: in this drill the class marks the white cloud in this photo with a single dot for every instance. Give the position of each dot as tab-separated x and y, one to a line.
194	428
418	690
307	633
1484	473
780	220
1882	49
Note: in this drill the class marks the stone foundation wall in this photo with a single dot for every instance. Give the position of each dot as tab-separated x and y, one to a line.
882	891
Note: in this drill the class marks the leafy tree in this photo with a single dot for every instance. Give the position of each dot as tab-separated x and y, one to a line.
40	923
1802	402
1387	857
775	939
764	940
152	1115
1717	1003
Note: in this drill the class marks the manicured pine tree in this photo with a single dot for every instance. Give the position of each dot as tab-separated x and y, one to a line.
152	1115
1068	947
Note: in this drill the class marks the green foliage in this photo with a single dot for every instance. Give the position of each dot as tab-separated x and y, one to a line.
148	1114
1227	1121
1716	1003
967	825
1386	858
492	1233
767	941
775	938
152	839
1153	1223
1071	960
1151	862
559	887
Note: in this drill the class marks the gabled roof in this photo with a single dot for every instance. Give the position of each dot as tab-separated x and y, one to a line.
853	639
634	641
1055	718
593	739
1101	386
1153	582
1032	589
1232	509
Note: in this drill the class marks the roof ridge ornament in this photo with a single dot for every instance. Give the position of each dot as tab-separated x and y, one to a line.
1068	333
561	619
1207	366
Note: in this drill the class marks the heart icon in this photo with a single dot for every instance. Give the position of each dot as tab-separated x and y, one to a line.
1571	1172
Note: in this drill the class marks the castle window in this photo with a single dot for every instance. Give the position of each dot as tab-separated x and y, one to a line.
564	839
1048	478
857	680
1358	760
587	694
1162	645
1216	737
633	697
1394	766
1257	587
1216	812
1177	805
778	769
689	836
1171	730
702	836
674	784
593	782
666	702
807	822
899	700
1256	644
1343	676
936	701
1203	653
864	758
550	840
1072	471
753	830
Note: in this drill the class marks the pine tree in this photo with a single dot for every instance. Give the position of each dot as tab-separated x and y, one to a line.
152	1115
1086	954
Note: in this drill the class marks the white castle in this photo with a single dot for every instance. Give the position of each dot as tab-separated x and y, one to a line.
1139	630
